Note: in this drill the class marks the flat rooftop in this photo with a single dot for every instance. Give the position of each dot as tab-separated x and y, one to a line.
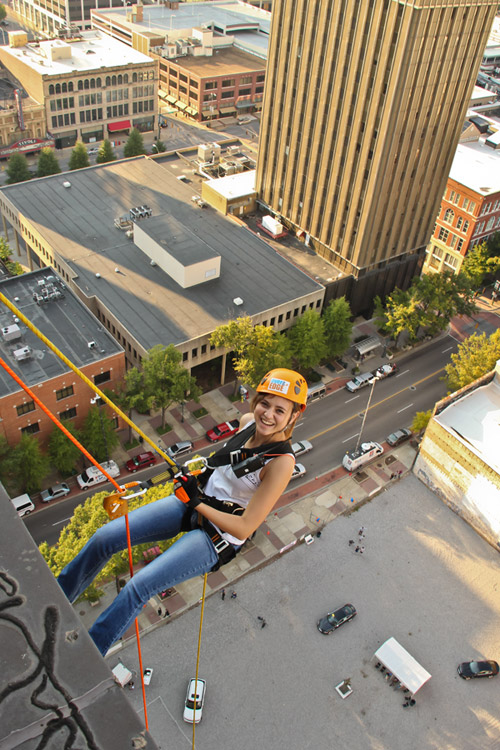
477	166
65	321
95	51
78	223
475	419
223	62
234	185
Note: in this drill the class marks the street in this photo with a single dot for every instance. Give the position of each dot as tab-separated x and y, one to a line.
331	424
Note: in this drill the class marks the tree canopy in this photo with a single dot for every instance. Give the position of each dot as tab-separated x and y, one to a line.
167	381
3	12
28	464
134	145
338	326
17	169
79	157
308	340
98	434
47	163
479	262
106	153
63	454
12	266
476	356
420	421
132	395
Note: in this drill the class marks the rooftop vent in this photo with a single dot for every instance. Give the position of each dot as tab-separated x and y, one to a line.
66	184
98	275
237	301
91	344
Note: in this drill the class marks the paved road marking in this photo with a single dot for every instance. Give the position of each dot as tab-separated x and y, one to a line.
404	408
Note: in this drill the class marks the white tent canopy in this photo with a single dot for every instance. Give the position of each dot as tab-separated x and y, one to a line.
397	660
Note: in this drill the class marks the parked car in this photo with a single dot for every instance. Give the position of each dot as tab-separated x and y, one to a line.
333	620
302	446
223	430
93	151
366	452
52	493
180	448
470	670
385	371
298	471
141	461
360	381
148	673
398	437
193	705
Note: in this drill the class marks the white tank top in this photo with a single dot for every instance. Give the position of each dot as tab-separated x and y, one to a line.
225	485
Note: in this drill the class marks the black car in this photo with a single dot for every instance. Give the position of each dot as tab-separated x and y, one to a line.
398	437
469	670
333	620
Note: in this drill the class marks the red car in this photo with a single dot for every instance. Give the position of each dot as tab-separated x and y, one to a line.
141	461
223	430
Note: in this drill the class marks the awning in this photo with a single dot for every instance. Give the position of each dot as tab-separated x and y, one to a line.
191	111
171	99
244	103
113	127
409	672
162	94
227	110
180	104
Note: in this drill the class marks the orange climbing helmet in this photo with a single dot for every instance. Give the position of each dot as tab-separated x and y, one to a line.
286	383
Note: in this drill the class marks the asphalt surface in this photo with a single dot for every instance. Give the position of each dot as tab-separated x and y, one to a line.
426	578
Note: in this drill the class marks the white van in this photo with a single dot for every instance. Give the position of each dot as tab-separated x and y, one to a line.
314	392
92	475
23	504
365	453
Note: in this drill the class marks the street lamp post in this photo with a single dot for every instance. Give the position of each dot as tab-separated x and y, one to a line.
366	412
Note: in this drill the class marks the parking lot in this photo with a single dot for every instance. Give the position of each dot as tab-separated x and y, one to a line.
425	578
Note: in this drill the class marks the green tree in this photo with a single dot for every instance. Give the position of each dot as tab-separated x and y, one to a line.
47	163
6	453
158	147
29	464
63	453
308	340
338	326
106	153
134	145
89	517
12	266
420	421
17	169
98	435
3	12
476	356
79	157
166	379
131	395
478	263
256	349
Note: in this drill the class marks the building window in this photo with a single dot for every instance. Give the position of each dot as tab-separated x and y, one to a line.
245	79
204	349
443	234
465	226
288	315
450	261
465	203
228	82
184	356
472	207
103	377
244	92
449	215
272	321
194	353
68	414
31	429
227	95
295	312
64	392
460	245
25	408
490	224
280	319
210	85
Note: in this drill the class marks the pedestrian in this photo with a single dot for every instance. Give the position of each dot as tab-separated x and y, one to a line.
361	532
361	550
263	624
393	476
399	474
351	542
264	436
260	618
223	594
159	611
233	594
131	685
357	549
166	613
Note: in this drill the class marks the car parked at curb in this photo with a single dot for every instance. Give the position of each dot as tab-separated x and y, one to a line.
385	371
333	620
147	674
195	698
298	471
93	151
52	493
141	461
223	430
470	670
398	437
360	381
301	447
180	448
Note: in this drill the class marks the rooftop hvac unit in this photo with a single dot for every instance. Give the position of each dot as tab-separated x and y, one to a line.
21	354
11	333
66	184
237	301
91	344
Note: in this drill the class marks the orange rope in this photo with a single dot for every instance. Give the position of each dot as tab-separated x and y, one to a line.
76	442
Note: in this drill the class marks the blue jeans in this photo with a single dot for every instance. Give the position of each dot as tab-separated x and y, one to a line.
192	555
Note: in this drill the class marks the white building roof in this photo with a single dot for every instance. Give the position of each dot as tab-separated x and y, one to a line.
234	185
475	419
477	167
409	672
94	52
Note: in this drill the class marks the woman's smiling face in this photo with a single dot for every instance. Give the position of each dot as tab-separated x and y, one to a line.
272	414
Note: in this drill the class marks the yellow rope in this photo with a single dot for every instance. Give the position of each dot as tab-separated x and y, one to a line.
83	377
198	653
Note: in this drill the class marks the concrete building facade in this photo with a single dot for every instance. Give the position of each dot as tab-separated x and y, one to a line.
91	87
363	109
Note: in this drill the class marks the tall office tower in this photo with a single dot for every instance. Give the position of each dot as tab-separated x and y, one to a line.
364	104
